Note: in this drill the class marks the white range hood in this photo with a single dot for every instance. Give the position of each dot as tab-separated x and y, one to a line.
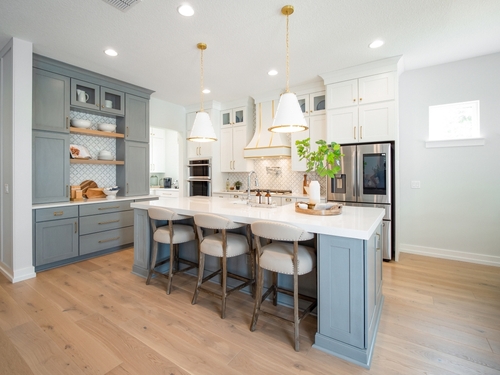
266	144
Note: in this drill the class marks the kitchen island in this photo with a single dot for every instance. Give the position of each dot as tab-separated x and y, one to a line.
349	259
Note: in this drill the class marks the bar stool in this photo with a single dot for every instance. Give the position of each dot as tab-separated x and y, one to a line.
223	245
285	258
172	234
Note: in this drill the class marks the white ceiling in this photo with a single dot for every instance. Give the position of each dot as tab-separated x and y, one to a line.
246	38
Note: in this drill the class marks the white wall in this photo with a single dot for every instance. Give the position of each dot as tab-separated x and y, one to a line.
172	117
456	212
16	260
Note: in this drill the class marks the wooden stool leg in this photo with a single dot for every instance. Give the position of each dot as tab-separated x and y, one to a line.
201	267
153	261
275	288
296	310
258	298
173	253
224	287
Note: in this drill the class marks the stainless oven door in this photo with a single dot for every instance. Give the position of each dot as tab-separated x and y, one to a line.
374	173
201	187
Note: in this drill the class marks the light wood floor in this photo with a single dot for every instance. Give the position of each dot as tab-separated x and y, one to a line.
95	317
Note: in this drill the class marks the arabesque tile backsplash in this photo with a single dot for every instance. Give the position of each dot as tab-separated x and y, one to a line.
103	175
277	174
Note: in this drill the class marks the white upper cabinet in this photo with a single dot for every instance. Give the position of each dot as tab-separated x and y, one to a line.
236	132
157	159
312	104
235	116
362	110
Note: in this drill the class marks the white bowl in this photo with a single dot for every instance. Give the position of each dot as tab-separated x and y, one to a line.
104	153
79	123
107	127
110	194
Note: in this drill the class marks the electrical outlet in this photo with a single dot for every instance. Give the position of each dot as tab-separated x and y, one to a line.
415	184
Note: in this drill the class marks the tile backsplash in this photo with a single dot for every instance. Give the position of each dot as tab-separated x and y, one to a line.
103	175
277	174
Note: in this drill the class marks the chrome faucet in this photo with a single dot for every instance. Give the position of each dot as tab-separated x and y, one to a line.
248	183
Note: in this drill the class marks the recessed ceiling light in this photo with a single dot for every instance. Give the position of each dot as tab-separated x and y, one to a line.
186	10
376	44
111	52
206	91
272	72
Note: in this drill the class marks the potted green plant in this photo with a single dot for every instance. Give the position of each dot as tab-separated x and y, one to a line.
325	161
237	185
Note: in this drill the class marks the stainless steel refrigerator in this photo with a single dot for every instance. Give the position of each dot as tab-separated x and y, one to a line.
366	179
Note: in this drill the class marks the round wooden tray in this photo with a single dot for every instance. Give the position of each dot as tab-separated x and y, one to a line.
334	210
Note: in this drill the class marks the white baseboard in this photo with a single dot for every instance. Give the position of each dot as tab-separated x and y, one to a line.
489	260
20	275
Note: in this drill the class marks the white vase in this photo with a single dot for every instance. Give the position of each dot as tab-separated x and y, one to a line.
314	195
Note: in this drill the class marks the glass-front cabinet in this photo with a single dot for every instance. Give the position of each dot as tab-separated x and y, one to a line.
312	104
96	98
235	116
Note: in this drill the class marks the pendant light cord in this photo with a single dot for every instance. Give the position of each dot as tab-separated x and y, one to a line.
201	81
287	57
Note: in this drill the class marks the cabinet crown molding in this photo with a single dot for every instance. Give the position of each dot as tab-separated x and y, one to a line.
391	64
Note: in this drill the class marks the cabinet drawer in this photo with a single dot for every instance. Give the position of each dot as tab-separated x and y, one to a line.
104	208
45	214
99	223
91	243
167	193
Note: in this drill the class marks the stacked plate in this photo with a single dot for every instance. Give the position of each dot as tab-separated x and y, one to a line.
105	155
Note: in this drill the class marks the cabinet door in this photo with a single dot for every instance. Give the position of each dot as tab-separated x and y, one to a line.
56	240
377	122
341	314
226	118
85	94
136	120
226	150
50	167
240	164
50	101
342	94
317	103
342	125
133	177
112	101
240	116
377	88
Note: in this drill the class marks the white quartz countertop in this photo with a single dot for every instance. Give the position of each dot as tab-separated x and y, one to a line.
91	201
244	193
354	222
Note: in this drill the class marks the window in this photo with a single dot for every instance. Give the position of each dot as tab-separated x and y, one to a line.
454	122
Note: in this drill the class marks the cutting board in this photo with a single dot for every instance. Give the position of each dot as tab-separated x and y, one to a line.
85	185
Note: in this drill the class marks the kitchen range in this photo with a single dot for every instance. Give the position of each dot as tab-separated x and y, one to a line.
365	180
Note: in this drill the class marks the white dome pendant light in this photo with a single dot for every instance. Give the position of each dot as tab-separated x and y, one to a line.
289	117
202	130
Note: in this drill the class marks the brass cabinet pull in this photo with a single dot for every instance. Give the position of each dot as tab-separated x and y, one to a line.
67	191
108	222
126	132
127	187
108	208
361	132
58	213
378	242
76	227
67	122
354	100
354	132
360	99
288	199
109	239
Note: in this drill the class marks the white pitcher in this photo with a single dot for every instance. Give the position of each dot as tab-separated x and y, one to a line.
82	96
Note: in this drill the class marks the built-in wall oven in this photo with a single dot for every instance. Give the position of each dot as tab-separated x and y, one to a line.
366	179
199	177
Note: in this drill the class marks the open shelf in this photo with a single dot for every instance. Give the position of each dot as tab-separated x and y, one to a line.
93	161
95	132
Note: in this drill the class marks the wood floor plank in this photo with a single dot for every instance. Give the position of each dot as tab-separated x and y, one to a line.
40	352
85	352
134	353
11	314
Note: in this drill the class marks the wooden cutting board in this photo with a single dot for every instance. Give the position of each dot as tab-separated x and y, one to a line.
85	185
